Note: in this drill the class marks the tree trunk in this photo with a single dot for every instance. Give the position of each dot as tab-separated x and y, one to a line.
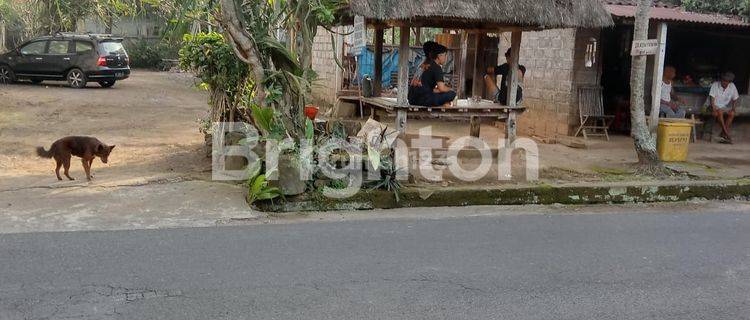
109	24
244	47
2	36
645	143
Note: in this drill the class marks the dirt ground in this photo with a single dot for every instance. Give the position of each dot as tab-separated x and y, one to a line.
151	117
158	164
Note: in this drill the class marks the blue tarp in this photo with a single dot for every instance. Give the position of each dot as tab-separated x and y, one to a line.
366	61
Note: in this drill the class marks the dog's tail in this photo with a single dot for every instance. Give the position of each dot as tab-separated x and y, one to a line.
44	154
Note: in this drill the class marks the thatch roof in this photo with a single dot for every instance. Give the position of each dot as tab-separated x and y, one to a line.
485	14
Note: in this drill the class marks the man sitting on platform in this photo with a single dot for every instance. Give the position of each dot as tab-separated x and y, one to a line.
490	81
670	107
724	98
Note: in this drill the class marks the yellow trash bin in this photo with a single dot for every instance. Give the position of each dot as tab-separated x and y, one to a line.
673	140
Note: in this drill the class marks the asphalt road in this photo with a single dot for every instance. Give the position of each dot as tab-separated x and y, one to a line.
552	266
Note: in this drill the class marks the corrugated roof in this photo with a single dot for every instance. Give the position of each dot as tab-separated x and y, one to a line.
658	4
677	14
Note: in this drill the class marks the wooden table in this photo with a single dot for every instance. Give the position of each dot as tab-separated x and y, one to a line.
465	109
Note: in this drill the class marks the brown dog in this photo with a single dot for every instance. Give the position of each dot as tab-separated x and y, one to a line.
87	148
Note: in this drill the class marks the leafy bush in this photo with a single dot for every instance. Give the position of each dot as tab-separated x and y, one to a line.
150	55
213	61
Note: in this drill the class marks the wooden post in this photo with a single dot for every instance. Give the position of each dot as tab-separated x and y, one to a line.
403	80
418	36
475	125
461	64
661	35
515	47
377	81
477	87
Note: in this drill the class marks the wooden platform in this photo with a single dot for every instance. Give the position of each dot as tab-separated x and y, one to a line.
464	109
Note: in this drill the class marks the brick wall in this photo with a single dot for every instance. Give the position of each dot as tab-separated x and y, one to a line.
548	85
324	64
556	66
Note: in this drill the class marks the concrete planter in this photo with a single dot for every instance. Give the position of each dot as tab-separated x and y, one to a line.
289	176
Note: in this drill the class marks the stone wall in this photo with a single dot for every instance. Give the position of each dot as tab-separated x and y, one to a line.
556	66
324	64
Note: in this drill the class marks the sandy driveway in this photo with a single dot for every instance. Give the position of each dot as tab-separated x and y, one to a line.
157	166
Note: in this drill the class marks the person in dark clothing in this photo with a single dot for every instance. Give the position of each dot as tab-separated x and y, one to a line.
490	80
430	90
427	47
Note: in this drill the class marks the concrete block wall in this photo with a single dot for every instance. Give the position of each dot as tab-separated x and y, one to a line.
555	61
548	85
324	64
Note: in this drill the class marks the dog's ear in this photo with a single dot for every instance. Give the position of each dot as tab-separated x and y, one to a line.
100	148
110	148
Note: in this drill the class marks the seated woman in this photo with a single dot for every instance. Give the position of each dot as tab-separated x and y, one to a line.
431	90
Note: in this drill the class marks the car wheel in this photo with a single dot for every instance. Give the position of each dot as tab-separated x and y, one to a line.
36	81
6	75
76	78
107	83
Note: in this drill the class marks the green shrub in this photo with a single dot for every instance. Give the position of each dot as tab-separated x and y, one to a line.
150	54
214	62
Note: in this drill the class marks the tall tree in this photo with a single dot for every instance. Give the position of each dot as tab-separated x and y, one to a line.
645	142
275	38
63	15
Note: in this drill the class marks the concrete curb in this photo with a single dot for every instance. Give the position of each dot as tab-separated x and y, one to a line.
609	193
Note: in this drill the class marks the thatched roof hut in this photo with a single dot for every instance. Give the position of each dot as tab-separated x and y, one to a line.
484	14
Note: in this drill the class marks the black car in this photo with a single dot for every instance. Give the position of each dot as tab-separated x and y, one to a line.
76	58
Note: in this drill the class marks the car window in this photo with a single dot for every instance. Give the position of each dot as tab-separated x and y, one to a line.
83	47
34	48
58	47
111	47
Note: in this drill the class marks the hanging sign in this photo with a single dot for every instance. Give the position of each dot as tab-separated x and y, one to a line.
359	36
645	47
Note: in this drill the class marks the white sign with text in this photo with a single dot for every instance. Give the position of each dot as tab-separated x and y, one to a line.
645	47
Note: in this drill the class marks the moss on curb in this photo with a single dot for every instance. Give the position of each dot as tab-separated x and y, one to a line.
541	194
